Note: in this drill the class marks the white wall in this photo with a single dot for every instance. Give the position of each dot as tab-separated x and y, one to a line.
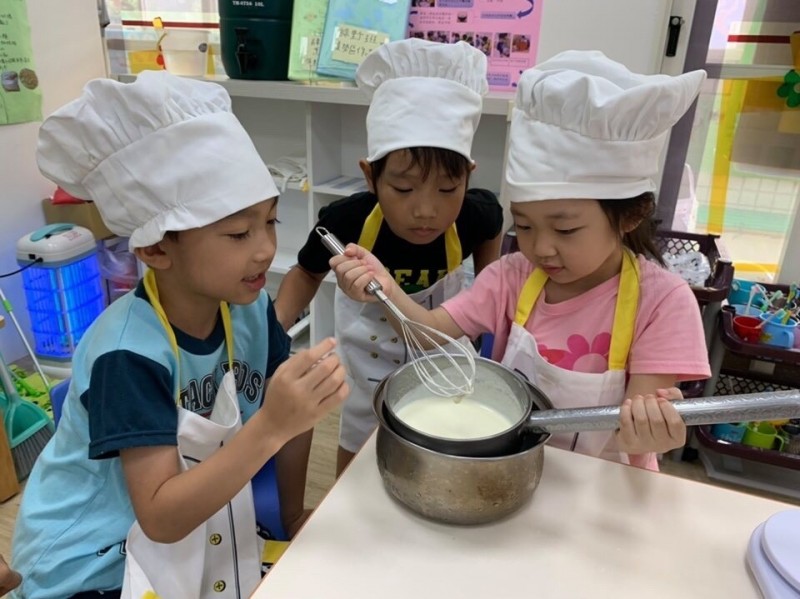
67	52
632	32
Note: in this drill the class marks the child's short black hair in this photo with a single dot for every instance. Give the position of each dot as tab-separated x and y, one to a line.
639	209
451	163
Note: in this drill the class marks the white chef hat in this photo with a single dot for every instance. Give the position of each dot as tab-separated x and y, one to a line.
423	94
160	154
584	126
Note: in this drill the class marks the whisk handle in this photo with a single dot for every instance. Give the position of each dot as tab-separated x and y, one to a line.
330	241
335	247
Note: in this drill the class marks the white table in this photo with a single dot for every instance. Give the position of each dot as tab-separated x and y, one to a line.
593	529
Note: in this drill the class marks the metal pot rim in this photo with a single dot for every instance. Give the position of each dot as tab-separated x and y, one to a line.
531	389
377	407
516	426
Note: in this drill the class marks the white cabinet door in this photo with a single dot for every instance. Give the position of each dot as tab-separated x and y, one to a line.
633	32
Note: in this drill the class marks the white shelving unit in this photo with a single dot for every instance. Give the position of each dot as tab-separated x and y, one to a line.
325	93
325	124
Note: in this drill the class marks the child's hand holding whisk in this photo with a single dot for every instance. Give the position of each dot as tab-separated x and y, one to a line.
361	276
354	271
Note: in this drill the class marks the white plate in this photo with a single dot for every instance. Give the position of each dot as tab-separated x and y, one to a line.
771	584
781	544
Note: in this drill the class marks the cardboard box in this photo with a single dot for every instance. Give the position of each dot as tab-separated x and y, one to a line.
84	215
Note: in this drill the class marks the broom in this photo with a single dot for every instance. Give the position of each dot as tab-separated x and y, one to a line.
10	311
28	426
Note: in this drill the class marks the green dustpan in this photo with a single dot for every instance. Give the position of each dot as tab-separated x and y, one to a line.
28	427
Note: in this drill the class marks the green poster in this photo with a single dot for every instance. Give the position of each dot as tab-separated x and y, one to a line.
20	95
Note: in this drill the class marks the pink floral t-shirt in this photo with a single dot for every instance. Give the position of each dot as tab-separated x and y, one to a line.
576	334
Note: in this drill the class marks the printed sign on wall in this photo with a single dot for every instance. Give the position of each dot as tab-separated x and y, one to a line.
20	96
507	31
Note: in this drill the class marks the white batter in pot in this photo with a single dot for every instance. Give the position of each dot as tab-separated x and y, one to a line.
443	417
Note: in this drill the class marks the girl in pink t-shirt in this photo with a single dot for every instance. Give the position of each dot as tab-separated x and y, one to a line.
580	310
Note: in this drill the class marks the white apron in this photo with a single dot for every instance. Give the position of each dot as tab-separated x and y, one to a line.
371	347
221	557
568	389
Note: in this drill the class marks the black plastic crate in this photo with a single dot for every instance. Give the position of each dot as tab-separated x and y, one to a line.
730	384
718	285
787	360
752	467
746	368
762	365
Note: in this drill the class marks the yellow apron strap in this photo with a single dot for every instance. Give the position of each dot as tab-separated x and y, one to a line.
531	291
151	289
272	552
624	313
369	232
372	226
227	326
452	247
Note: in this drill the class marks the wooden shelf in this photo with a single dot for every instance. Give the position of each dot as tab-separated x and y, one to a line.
342	186
293	185
497	103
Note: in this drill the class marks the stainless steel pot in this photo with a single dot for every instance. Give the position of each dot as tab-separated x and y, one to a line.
455	489
530	413
420	471
504	390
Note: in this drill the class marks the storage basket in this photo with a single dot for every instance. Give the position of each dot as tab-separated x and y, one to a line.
752	467
718	284
750	368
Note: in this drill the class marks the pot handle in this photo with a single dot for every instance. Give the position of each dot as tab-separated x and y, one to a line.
702	410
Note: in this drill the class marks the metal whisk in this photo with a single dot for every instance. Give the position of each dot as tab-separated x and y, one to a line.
418	337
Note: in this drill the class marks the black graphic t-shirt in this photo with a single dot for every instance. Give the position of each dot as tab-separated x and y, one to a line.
414	267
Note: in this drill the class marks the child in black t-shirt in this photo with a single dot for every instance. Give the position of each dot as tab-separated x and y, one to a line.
418	216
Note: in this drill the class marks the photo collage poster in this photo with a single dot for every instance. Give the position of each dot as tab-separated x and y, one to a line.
507	31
